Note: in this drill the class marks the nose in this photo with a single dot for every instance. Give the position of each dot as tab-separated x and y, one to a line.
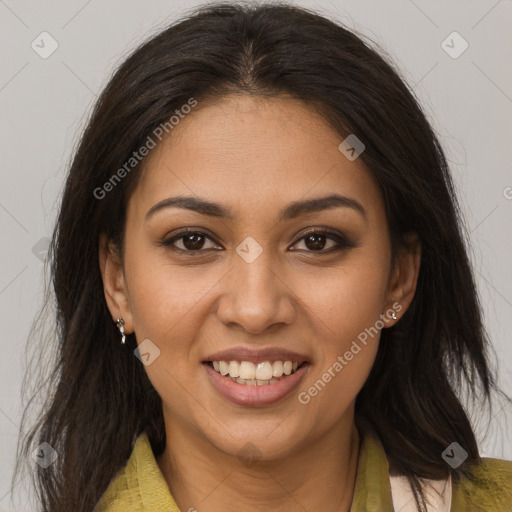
256	296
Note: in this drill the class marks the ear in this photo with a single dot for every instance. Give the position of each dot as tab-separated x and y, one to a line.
404	276
114	285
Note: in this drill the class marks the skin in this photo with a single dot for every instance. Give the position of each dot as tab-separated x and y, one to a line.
255	155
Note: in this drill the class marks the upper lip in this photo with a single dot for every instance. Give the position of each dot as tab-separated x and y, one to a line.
256	355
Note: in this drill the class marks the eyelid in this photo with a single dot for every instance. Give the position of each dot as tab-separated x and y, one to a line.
321	231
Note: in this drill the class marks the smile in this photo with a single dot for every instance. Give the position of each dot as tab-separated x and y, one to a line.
255	384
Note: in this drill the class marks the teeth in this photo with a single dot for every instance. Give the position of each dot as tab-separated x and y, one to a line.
254	382
277	369
234	369
223	367
264	371
246	372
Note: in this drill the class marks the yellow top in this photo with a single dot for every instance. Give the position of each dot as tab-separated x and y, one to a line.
140	486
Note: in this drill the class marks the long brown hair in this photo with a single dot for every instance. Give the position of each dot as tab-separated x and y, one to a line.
98	396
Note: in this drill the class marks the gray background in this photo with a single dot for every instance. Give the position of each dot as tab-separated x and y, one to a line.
44	104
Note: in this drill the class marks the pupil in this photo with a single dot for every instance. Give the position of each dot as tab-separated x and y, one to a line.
317	244
193	241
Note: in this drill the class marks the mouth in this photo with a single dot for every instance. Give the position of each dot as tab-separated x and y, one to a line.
255	384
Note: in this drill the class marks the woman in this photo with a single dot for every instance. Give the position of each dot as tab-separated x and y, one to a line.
264	298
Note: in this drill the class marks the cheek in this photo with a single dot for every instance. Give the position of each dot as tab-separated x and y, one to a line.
347	324
350	298
160	295
348	342
170	304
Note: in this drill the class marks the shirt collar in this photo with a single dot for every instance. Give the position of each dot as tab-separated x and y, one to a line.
372	491
142	482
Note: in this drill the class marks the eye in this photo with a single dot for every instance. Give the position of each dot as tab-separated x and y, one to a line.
316	241
190	241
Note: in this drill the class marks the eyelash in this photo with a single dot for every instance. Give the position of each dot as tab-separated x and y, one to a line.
342	241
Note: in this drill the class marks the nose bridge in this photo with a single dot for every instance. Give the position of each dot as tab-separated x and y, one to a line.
257	297
256	275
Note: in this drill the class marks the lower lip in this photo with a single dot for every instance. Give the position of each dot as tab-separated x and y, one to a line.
254	396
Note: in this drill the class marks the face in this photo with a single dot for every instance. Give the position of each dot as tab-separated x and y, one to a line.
250	282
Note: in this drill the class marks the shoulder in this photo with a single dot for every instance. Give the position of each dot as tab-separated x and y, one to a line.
489	487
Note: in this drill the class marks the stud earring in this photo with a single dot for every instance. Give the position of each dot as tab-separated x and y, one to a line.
393	315
120	326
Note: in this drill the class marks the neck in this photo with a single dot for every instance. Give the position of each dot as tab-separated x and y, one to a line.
319	476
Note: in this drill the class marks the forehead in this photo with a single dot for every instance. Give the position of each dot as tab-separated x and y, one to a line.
248	152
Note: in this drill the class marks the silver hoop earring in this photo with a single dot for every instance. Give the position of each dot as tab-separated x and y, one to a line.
120	326
393	315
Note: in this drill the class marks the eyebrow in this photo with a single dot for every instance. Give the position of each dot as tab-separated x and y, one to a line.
292	211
